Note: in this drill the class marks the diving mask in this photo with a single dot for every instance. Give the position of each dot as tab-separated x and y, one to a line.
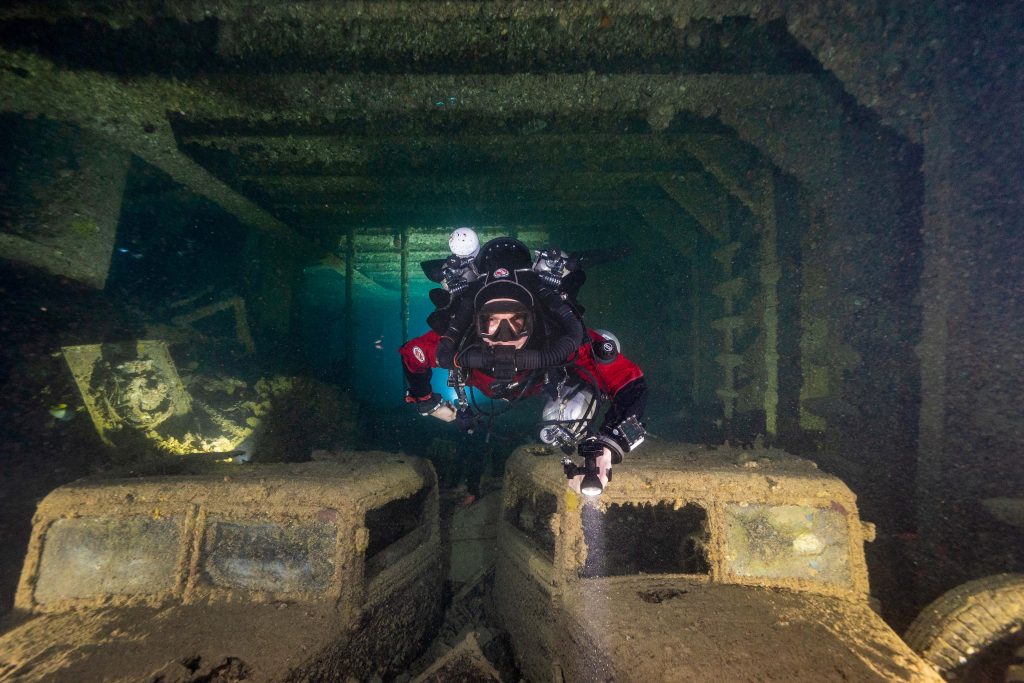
503	321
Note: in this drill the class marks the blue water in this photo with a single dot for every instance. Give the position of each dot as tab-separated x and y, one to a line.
377	372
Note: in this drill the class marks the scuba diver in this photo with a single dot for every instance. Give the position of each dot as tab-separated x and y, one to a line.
508	325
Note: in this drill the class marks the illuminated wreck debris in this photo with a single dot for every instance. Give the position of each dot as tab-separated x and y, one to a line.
133	391
127	386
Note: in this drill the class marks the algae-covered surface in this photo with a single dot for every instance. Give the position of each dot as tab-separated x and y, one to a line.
696	563
182	643
643	629
787	541
253	572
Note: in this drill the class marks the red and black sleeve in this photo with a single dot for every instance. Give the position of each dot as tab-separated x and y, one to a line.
419	356
622	380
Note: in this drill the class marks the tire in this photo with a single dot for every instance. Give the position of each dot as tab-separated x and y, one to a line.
975	631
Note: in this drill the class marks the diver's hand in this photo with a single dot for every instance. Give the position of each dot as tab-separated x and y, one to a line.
445	412
604	469
432	405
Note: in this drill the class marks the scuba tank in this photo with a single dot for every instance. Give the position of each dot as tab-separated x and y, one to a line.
454	274
566	416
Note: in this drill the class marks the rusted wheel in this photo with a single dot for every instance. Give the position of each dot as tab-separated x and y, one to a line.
975	632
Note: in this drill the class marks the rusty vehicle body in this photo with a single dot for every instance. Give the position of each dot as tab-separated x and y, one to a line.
271	572
694	565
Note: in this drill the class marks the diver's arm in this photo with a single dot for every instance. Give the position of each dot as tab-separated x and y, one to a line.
419	356
419	385
631	399
622	429
418	360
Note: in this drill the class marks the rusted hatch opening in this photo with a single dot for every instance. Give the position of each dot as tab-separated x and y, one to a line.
645	539
396	529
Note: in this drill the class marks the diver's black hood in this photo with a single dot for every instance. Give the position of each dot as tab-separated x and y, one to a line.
503	252
505	284
506	272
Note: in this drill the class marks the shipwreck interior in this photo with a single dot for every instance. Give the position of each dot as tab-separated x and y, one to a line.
804	219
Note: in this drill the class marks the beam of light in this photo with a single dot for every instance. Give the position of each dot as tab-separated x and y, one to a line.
595	599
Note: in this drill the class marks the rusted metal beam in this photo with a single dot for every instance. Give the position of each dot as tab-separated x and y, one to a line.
132	115
701	198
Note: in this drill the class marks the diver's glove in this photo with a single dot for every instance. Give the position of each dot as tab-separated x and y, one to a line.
426	405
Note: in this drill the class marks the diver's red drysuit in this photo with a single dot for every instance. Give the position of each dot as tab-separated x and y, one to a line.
620	378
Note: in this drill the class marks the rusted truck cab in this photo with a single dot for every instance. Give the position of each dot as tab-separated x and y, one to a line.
261	572
693	565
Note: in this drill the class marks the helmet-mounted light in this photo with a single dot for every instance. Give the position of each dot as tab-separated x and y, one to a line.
464	243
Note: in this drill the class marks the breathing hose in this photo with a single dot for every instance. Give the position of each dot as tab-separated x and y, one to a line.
448	346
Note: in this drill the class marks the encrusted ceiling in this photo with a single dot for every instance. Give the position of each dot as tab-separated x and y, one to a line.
317	118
